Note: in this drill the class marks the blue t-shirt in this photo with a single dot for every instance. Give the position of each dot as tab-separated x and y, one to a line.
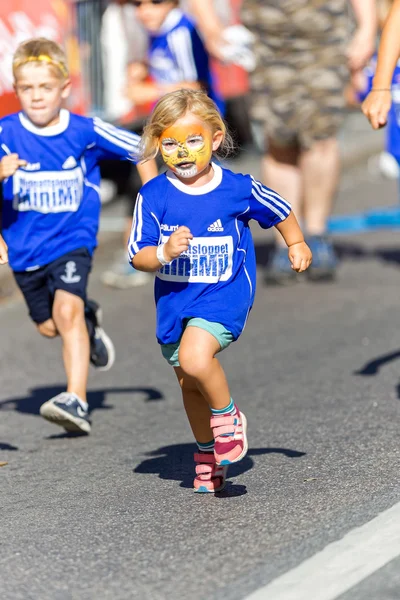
52	205
176	53
216	278
393	120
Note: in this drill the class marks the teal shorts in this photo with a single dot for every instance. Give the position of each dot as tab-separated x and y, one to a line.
222	335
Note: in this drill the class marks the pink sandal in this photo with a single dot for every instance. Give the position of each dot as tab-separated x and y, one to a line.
210	477
230	438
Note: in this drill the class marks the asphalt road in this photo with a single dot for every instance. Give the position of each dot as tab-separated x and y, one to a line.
113	516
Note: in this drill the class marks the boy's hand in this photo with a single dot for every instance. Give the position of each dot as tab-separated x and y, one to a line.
376	107
9	164
300	256
178	242
3	252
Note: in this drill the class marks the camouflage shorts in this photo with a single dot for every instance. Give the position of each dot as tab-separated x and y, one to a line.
297	88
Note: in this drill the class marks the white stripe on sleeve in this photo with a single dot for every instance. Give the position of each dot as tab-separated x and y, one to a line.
137	227
180	43
263	195
121	134
269	205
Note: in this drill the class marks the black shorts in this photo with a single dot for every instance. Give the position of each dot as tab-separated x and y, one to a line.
70	272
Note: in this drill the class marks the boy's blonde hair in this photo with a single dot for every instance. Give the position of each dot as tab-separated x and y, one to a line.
172	107
41	50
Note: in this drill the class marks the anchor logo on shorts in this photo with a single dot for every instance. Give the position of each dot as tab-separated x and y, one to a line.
70	269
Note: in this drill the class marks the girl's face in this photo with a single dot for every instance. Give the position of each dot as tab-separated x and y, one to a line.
40	93
187	146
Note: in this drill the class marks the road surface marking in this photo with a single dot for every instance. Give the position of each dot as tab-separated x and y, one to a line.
342	564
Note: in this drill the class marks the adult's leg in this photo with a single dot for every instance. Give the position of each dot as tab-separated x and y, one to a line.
320	168
281	172
68	316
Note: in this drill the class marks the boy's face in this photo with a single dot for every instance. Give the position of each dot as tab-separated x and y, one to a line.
40	93
152	15
187	146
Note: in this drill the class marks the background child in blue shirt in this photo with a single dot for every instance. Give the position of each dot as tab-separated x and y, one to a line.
51	208
191	227
176	57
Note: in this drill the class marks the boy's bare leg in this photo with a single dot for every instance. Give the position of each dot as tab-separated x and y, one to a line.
69	318
197	359
196	407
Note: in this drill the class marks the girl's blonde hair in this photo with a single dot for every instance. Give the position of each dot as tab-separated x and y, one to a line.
175	105
41	50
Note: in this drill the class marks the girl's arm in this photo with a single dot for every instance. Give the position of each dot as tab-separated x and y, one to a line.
377	104
299	253
152	258
3	251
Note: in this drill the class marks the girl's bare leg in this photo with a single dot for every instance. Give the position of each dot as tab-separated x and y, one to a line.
196	407
197	359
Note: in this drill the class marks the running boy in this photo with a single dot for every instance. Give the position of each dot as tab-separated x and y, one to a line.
191	227
51	207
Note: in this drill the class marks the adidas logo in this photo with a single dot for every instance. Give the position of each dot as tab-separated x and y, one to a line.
70	163
216	226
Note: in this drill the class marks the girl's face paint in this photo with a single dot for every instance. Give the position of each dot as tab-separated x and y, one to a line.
187	146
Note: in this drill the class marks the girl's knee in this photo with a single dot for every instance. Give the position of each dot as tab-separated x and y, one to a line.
47	328
195	364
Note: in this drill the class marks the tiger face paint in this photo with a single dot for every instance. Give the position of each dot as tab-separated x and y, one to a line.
187	146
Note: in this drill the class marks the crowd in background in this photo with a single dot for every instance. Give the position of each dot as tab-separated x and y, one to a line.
309	68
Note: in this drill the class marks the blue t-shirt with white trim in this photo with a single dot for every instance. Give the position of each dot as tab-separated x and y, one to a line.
52	205
216	278
176	53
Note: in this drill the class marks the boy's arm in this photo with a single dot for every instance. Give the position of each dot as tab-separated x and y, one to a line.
114	142
147	170
9	164
378	102
3	251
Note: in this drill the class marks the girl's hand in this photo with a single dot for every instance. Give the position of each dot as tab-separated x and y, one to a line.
300	256
178	242
3	252
376	107
9	164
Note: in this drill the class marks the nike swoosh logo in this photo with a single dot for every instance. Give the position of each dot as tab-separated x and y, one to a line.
81	412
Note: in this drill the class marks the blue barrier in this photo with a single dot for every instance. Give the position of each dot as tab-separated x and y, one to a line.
382	218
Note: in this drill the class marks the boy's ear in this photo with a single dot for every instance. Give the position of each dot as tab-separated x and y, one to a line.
217	140
66	90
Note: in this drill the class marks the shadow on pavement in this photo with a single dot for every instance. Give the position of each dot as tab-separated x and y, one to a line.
372	367
31	403
4	446
176	463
